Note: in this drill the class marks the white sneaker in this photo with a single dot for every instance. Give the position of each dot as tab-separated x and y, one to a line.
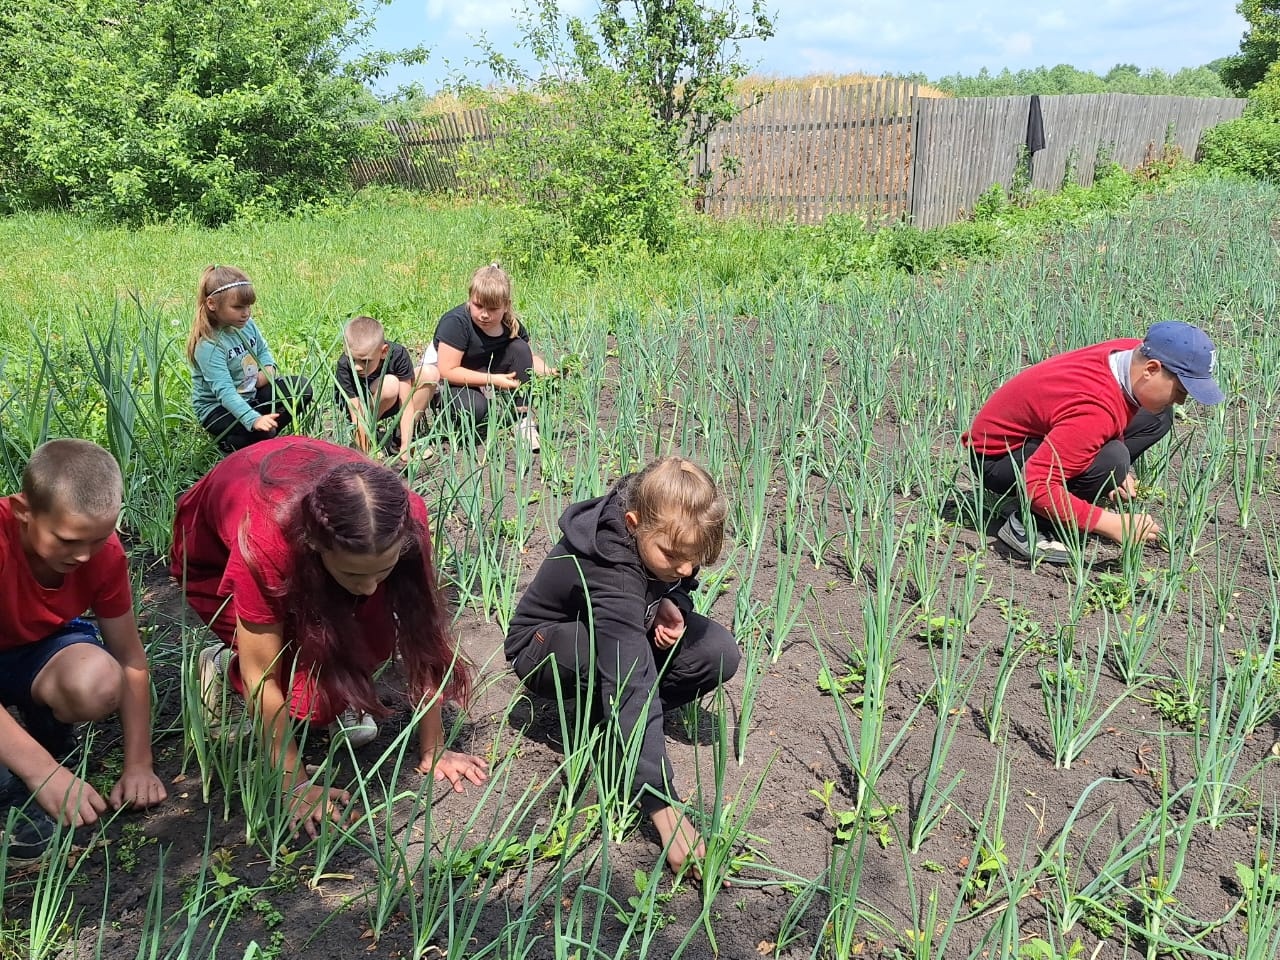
527	432
357	729
213	661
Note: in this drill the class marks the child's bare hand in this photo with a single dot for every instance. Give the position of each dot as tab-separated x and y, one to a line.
504	381
668	624
680	840
456	768
266	423
66	797
314	803
139	789
1141	527
1126	491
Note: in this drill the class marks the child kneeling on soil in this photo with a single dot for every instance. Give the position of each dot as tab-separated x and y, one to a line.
609	610
312	566
373	373
1071	427
60	556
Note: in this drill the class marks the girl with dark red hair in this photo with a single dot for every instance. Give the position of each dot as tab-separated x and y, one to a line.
312	566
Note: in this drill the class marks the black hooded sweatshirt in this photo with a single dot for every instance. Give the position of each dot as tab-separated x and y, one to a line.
594	577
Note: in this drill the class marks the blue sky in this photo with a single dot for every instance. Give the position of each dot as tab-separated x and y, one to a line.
934	37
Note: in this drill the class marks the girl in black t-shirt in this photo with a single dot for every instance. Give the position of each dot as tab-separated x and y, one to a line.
483	348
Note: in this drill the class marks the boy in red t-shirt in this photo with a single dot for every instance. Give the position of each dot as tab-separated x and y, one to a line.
60	556
1065	432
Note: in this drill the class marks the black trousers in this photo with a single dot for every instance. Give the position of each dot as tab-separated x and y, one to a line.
286	396
703	659
1000	475
471	404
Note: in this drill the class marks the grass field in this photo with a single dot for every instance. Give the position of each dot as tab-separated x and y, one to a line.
930	751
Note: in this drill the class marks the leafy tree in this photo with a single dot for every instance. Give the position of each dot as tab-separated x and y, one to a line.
683	56
211	110
583	168
1259	49
594	148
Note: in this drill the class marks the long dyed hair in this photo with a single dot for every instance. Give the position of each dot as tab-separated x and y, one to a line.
362	508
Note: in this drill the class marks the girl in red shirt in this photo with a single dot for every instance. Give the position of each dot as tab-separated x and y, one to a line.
312	565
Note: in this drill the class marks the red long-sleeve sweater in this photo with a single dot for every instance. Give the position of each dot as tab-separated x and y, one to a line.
1074	402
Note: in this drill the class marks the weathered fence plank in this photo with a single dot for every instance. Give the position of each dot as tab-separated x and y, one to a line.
878	149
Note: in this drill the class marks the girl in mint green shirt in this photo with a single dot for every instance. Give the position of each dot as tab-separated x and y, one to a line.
237	394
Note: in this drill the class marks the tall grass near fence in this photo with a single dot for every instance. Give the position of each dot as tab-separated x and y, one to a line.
856	552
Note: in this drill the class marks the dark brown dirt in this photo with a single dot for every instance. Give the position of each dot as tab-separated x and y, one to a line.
794	745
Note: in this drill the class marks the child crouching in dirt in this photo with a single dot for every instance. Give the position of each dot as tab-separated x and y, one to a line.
483	352
60	556
609	608
375	374
312	566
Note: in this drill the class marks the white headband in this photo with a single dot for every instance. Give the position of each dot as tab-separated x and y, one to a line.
228	286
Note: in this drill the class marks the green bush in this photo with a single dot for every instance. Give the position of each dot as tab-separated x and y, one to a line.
1249	146
846	245
212	111
912	250
1264	99
583	167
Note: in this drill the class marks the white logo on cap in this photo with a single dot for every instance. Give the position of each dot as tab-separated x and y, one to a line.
1213	361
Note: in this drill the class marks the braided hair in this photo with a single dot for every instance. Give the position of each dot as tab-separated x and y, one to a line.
360	507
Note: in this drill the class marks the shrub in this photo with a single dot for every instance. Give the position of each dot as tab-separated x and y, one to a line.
210	111
583	167
1264	99
912	250
1249	146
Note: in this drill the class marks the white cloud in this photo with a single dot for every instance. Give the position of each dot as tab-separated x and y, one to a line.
1016	46
1053	20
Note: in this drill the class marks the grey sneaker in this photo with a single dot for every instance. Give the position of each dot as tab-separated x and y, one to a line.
356	728
25	829
1014	536
213	663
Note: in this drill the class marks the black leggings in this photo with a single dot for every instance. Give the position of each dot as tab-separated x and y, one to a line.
470	405
286	396
704	658
1000	475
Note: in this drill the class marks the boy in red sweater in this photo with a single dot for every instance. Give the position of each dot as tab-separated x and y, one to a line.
60	556
1066	431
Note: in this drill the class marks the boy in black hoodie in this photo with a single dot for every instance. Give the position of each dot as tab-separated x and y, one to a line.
610	608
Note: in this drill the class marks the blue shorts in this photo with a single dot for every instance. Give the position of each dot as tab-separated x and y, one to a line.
19	666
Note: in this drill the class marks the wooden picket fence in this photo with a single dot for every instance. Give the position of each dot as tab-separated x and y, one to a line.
805	154
420	153
878	149
962	147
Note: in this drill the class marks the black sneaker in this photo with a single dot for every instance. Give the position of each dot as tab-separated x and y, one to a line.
25	829
1014	536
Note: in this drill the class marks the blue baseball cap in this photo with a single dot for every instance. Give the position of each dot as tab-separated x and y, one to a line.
1187	352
